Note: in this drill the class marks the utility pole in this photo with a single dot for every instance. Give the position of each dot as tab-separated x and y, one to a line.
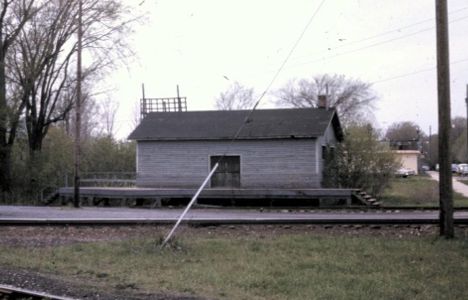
76	194
466	101
443	88
430	142
143	109
179	102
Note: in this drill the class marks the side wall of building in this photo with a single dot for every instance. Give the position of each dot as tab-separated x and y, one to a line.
328	140
409	159
291	163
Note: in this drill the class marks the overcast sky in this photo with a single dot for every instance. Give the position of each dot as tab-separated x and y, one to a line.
206	45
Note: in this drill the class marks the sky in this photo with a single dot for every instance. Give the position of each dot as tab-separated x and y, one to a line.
204	46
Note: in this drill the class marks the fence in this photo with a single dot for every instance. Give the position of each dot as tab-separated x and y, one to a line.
104	179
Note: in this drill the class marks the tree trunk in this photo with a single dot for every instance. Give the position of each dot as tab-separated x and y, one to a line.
5	167
5	148
35	143
35	139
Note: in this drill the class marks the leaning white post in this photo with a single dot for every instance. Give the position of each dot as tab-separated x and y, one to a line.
194	198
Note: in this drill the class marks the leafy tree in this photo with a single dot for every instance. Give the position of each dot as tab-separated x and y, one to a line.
53	165
353	99
105	154
403	131
458	137
459	144
236	97
48	169
361	161
430	149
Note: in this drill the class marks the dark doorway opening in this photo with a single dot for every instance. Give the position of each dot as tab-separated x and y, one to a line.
228	173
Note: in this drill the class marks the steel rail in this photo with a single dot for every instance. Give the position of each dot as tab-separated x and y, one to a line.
15	292
389	219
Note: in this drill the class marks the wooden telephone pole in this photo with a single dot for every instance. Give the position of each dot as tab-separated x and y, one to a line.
443	87
76	190
466	101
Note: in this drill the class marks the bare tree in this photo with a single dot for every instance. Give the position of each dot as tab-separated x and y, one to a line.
90	114
108	110
136	114
91	123
44	61
235	97
41	69
14	15
352	98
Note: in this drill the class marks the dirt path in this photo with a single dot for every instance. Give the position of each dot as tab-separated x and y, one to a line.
457	186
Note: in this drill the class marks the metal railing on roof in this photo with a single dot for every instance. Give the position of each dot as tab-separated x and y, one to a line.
170	104
149	105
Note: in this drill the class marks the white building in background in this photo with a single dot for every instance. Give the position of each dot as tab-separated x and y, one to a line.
409	159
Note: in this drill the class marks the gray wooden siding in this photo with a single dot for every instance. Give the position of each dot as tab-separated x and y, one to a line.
329	138
264	163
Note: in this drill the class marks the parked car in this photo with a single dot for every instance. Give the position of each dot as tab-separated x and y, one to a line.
463	169
455	168
405	172
425	168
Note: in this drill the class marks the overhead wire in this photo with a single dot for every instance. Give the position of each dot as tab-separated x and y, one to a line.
285	61
416	72
372	45
288	57
246	119
381	34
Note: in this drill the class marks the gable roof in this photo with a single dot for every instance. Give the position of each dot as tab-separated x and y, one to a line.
223	125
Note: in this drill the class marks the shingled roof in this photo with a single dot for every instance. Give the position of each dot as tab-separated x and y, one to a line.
222	125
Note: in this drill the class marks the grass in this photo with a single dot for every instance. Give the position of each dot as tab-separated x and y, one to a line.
299	266
416	191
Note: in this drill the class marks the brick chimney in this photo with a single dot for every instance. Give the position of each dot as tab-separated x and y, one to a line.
322	102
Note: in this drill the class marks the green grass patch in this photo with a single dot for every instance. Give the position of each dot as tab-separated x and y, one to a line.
300	266
416	191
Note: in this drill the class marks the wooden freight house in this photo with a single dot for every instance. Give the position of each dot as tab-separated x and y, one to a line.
277	148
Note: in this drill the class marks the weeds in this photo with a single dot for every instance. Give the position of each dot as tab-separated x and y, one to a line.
416	191
298	266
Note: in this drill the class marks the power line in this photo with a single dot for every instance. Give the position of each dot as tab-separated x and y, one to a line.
277	72
374	45
390	32
290	53
395	30
215	166
416	72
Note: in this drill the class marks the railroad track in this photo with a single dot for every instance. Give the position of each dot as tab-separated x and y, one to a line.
9	292
389	220
41	216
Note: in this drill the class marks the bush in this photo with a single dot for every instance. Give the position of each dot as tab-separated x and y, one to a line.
361	161
53	165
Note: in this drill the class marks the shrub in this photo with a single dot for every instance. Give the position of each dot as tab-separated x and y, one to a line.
361	161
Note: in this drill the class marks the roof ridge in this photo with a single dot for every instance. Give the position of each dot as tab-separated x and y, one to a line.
222	125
